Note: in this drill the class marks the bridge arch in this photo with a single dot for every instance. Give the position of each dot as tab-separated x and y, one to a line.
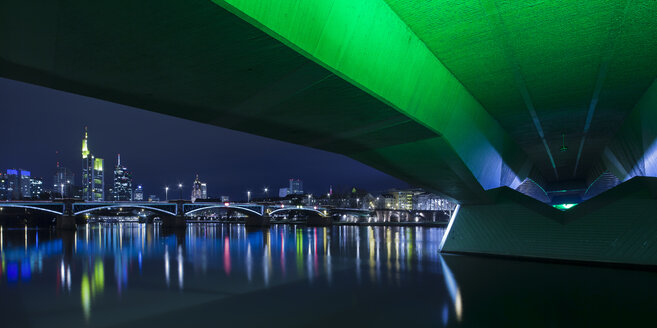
290	209
224	207
105	207
33	208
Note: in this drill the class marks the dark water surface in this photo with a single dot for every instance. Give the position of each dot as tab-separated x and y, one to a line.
137	275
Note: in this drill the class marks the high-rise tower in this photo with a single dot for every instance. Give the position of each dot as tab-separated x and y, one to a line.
63	181
296	187
199	190
122	190
18	184
93	178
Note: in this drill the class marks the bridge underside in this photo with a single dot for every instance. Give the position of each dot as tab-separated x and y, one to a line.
197	60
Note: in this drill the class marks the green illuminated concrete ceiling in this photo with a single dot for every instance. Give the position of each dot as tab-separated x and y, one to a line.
197	61
569	56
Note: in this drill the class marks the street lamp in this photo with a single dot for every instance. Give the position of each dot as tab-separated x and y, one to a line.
180	188
166	193
266	192
62	192
248	196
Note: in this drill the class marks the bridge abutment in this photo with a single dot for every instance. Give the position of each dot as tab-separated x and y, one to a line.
178	221
174	221
319	221
617	226
257	221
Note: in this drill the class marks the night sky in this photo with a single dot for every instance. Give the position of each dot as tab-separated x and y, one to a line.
162	150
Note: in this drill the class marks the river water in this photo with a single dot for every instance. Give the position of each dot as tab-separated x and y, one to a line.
138	275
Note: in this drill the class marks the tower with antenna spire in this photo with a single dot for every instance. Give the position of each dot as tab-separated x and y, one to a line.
93	177
199	190
63	180
122	188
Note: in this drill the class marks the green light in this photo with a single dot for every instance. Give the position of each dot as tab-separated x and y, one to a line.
367	44
564	207
98	164
85	147
85	291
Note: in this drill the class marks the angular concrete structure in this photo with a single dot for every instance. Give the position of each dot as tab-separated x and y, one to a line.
617	226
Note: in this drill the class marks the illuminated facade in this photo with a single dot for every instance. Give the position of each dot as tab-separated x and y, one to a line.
63	181
403	199
93	177
283	192
122	190
199	190
431	202
18	184
3	186
296	187
36	187
138	194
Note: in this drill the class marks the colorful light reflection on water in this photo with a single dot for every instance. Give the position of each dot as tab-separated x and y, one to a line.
141	275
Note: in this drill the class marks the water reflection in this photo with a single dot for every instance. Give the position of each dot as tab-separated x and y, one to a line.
102	272
261	257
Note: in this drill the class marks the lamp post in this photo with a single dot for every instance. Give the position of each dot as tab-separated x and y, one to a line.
166	193
248	196
62	188
180	188
266	192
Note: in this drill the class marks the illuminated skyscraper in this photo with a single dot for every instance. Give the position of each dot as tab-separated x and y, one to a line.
139	194
122	190
3	186
13	185
296	187
63	182
199	190
93	178
18	184
36	187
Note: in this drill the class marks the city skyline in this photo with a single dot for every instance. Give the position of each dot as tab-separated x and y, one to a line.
231	162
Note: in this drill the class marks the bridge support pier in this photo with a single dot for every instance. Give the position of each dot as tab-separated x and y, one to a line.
174	222
65	222
319	221
617	226
257	221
